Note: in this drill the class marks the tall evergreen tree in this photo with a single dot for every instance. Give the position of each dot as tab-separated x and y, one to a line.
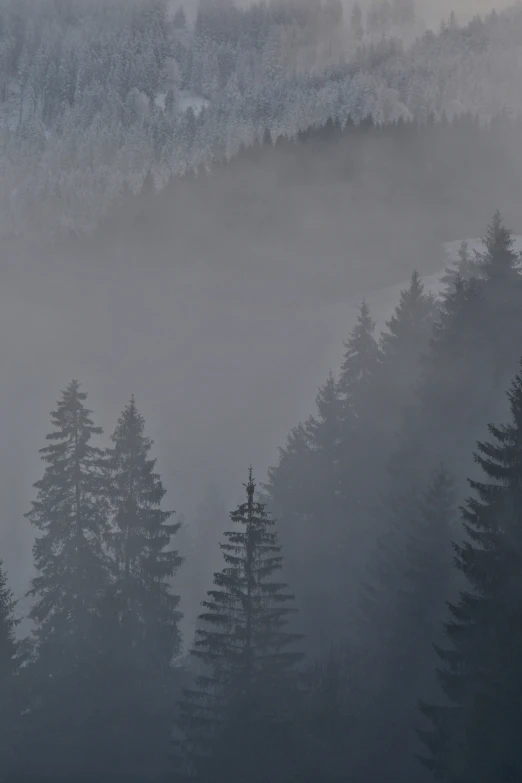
361	443
141	541
12	701
403	598
474	734
235	723
412	320
142	611
320	491
500	269
449	398
465	267
73	572
499	261
71	514
305	491
357	388
455	393
402	345
360	363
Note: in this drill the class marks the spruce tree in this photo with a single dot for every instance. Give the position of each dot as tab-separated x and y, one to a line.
360	363
402	345
235	723
455	393
361	444
320	490
449	403
465	267
318	544
502	284
305	489
474	734
140	541
358	390
411	322
499	260
70	514
12	701
142	635
9	644
403	598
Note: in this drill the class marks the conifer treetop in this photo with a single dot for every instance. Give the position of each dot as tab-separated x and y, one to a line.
71	512
248	612
415	310
361	351
142	535
499	259
243	646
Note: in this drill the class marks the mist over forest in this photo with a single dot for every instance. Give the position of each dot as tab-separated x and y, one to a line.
262	391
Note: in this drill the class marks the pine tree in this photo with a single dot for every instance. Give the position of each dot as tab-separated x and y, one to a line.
450	401
73	572
11	699
324	436
306	491
403	598
70	512
465	267
402	346
499	261
235	722
318	543
412	320
142	634
141	541
474	734
358	390
502	283
320	486
361	439
360	363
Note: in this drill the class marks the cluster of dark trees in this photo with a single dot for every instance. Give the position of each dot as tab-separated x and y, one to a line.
373	675
367	491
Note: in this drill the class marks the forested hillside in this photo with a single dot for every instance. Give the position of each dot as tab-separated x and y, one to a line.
97	96
205	213
313	654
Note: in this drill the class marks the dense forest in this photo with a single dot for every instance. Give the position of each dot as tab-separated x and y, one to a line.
362	615
196	200
98	97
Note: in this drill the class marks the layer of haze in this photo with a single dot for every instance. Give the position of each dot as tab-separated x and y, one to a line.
431	11
434	10
223	302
